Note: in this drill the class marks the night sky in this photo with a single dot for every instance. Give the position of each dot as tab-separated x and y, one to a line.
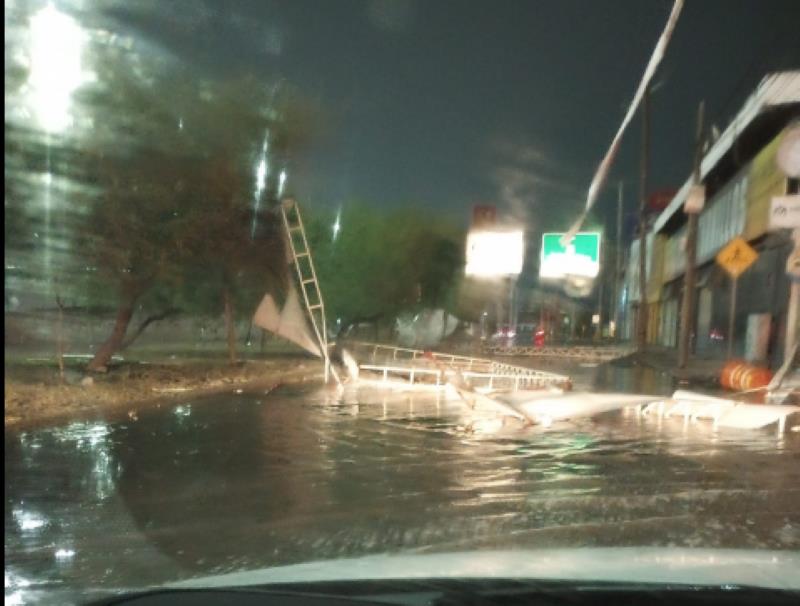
442	104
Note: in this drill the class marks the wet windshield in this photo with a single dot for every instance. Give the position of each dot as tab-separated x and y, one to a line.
307	281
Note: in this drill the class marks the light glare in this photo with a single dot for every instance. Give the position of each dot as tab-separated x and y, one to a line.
337	224
261	176
56	70
281	182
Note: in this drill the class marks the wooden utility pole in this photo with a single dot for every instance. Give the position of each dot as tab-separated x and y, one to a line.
601	279
641	321
618	262
688	303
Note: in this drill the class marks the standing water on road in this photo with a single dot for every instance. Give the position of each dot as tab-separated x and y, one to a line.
447	157
235	482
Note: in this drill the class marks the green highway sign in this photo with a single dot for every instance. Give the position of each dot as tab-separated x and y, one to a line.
580	258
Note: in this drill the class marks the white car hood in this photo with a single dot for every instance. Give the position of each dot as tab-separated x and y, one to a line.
762	568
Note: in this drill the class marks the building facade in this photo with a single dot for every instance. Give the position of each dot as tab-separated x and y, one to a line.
741	177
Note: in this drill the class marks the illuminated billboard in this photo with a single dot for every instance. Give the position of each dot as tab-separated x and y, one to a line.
580	258
495	253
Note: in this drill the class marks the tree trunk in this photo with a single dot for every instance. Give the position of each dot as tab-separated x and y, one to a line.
111	345
60	338
230	327
147	322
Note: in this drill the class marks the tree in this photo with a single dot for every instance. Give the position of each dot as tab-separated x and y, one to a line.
239	242
174	162
233	260
382	264
138	234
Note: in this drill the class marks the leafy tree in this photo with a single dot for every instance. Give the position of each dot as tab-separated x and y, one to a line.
174	162
382	264
234	264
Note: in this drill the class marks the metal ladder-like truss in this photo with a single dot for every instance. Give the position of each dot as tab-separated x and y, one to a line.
416	367
307	278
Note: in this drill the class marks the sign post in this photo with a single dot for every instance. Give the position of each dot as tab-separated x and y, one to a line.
735	257
732	316
793	269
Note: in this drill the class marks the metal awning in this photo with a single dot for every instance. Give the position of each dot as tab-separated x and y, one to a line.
776	89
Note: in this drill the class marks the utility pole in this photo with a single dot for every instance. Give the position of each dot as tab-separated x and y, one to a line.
641	321
601	279
687	306
512	316
618	262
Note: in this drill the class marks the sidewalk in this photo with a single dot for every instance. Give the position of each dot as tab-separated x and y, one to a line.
699	370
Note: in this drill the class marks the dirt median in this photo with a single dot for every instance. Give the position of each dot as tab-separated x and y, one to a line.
35	394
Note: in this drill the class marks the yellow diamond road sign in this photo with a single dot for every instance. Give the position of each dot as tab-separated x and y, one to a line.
736	257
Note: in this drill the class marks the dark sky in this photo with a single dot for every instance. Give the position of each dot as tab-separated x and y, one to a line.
442	104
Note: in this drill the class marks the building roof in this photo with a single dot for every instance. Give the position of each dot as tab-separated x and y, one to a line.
775	89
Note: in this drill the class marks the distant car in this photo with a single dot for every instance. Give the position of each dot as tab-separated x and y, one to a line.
505	332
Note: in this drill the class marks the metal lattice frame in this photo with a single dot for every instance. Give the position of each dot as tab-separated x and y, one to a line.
295	234
411	366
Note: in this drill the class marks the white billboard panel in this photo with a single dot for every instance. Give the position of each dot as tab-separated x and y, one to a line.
495	253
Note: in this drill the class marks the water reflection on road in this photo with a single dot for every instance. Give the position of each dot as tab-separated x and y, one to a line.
241	481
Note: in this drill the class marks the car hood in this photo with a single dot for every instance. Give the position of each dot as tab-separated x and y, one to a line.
760	568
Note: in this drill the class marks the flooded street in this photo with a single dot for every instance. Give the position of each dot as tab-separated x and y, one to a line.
210	206
250	480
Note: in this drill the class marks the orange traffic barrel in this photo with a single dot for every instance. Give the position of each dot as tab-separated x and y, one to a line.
755	377
731	368
737	375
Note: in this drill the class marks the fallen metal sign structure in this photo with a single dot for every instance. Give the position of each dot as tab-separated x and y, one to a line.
544	408
723	413
574	353
295	235
289	320
415	368
539	398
